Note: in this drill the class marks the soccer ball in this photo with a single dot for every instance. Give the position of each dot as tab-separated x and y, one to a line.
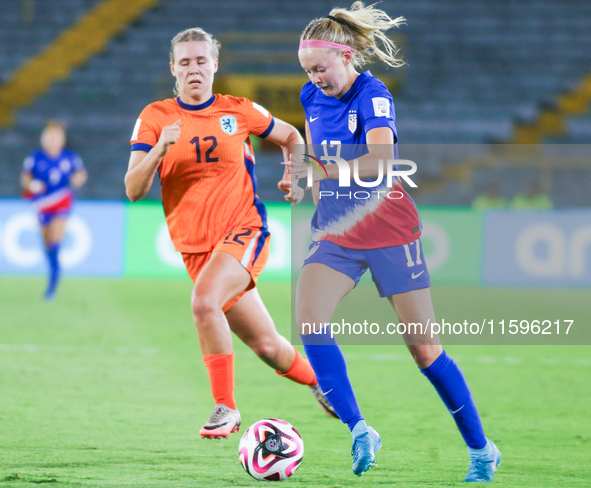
271	450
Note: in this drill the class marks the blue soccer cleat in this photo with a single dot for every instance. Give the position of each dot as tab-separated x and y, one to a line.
483	463
49	294
366	443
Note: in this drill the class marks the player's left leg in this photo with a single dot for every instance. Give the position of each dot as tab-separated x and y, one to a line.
401	275
52	228
329	274
250	320
415	306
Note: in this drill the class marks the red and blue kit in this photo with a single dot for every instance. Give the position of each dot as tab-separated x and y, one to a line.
360	218
340	126
54	172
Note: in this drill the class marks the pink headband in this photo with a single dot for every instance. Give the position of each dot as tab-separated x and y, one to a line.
324	44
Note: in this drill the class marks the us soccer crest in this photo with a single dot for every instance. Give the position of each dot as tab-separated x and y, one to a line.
353	122
229	124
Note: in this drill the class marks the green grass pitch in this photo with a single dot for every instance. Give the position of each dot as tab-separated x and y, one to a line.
105	387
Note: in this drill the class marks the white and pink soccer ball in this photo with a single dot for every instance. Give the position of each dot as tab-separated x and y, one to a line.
271	450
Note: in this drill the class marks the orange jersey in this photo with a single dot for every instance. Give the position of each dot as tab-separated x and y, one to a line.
208	180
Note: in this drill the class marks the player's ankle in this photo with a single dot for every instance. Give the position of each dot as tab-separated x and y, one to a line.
360	428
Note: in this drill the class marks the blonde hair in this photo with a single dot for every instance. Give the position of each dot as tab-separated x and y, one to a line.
55	124
361	28
194	34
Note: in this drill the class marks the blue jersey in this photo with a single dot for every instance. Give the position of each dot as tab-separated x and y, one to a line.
55	173
370	218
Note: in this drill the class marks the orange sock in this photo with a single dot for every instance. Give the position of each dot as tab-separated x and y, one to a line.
221	378
300	371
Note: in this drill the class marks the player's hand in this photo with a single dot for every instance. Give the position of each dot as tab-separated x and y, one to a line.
169	135
299	171
36	187
295	194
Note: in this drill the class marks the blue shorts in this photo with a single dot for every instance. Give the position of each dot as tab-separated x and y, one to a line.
46	218
394	270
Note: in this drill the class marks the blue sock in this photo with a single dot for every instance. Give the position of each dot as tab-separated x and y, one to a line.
54	267
449	381
329	364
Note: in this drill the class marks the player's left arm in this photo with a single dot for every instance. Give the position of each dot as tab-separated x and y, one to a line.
78	178
79	175
380	143
380	146
285	135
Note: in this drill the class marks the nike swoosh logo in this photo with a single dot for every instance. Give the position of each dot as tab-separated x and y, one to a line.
415	276
326	393
453	412
313	119
217	426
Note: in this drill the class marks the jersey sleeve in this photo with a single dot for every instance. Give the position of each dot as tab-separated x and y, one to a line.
146	131
28	163
259	121
377	110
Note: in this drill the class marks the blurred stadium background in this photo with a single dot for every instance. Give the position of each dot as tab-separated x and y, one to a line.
478	73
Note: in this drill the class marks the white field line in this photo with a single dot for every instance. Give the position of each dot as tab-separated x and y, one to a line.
350	356
122	351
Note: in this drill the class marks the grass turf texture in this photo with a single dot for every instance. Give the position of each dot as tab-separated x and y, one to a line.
106	387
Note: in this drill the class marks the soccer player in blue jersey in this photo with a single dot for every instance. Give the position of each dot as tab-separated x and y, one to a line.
345	108
48	178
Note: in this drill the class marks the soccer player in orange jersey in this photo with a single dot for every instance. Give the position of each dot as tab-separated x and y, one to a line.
199	144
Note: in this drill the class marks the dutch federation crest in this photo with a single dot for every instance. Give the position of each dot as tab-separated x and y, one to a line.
229	124
353	122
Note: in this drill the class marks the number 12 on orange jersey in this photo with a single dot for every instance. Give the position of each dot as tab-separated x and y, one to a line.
208	156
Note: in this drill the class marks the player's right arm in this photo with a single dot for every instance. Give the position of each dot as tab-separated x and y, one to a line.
28	181
316	184
143	165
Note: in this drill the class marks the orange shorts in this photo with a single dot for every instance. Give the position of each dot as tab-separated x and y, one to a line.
250	246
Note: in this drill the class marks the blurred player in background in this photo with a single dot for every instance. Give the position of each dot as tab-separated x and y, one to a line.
199	144
349	108
531	199
48	177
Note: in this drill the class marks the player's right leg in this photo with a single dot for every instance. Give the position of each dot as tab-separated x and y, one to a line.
320	288
219	278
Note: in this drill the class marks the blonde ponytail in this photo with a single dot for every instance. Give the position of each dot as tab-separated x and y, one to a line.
361	28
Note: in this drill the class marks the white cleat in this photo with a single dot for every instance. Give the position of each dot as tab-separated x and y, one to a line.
223	422
483	463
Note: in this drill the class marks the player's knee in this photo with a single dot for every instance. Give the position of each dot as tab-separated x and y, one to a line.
311	314
203	309
266	349
425	356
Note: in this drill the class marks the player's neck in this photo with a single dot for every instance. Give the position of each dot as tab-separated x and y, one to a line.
53	153
352	77
196	100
